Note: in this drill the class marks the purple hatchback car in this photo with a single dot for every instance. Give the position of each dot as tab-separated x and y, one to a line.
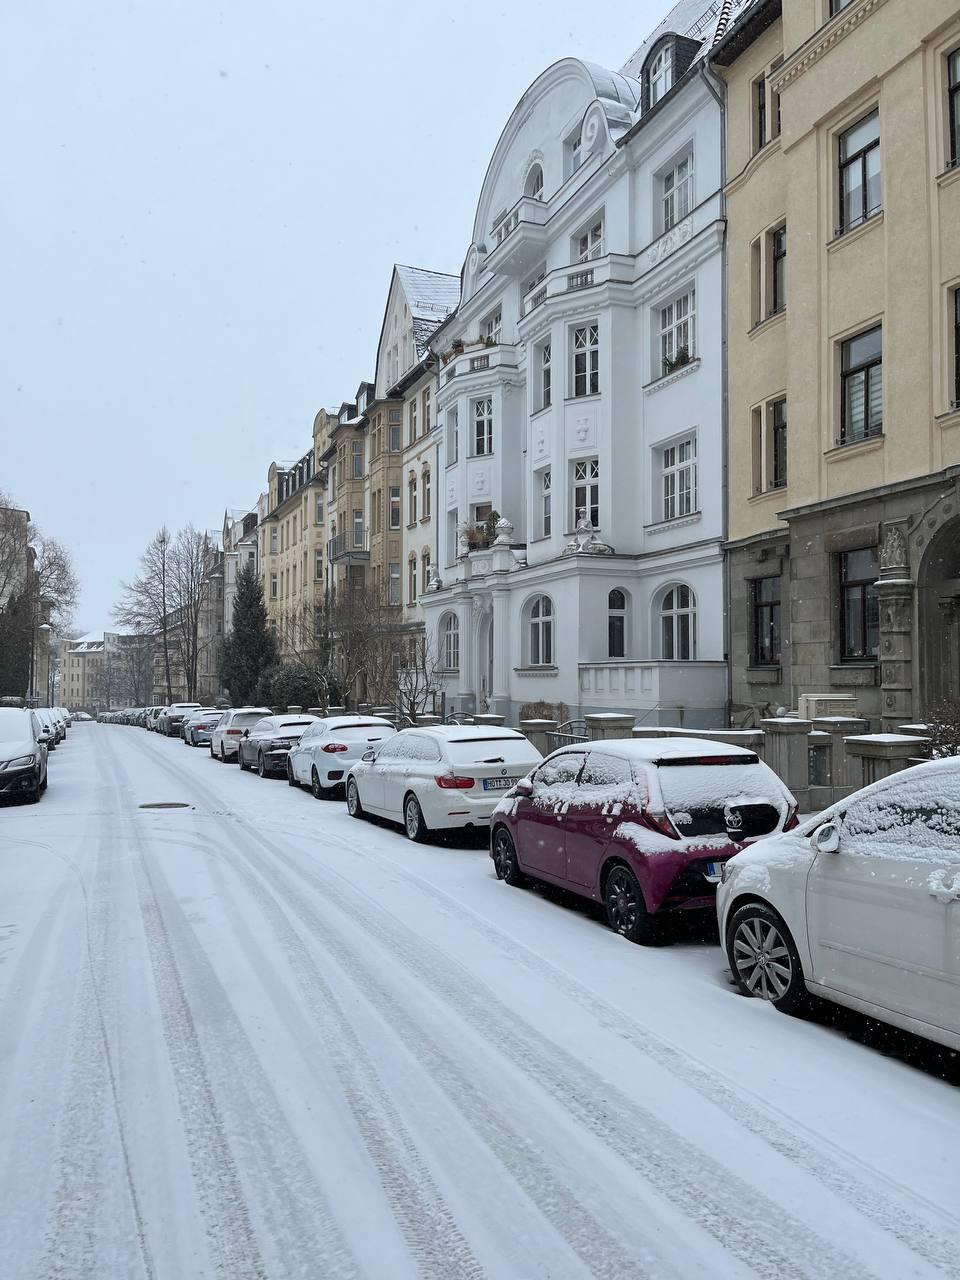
642	826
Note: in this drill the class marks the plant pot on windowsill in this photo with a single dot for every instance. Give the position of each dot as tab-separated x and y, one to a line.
678	360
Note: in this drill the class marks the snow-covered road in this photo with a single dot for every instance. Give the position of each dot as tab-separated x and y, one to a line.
254	1038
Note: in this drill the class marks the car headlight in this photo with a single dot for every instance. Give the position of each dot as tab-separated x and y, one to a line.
21	762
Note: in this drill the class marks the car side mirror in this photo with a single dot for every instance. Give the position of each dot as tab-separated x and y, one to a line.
826	839
43	737
246	733
369	756
523	787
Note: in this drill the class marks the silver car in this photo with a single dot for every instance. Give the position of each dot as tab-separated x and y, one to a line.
198	727
860	905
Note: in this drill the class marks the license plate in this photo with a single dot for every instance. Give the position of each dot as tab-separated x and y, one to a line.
713	870
498	784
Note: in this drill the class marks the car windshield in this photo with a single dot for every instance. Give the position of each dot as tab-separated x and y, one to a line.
247	717
492	751
14	726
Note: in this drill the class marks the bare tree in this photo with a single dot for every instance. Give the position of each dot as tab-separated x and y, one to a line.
419	681
189	563
147	603
56	582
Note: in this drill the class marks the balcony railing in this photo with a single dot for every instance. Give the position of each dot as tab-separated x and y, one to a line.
345	545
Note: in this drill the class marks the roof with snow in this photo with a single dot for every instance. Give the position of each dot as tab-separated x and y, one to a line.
431	296
703	20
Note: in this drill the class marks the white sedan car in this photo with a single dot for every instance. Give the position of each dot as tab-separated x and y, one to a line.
441	777
860	906
327	750
229	730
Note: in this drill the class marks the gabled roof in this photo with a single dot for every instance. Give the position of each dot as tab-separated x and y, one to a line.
431	296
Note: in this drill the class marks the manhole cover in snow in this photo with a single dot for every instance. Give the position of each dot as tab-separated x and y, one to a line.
166	804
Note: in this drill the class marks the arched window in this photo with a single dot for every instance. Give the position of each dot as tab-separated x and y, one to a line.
678	623
450	642
534	184
425	570
541	632
412	513
412	580
661	74
617	624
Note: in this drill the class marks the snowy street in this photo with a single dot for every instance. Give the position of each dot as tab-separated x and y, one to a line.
254	1038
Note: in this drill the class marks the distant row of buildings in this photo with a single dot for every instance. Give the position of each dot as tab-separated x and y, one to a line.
684	435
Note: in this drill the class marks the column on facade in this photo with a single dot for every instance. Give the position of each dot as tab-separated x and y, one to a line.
500	632
467	694
895	591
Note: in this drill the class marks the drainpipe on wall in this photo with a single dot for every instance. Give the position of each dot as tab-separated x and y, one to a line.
717	90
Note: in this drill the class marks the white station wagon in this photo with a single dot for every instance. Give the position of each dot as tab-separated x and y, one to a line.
441	777
860	905
327	750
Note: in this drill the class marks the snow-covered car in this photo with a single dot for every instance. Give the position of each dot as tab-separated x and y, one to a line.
80	717
264	746
199	726
439	778
230	729
860	905
643	826
50	726
329	748
23	754
171	718
153	718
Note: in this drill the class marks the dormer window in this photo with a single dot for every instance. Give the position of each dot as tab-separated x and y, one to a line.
574	152
534	183
661	74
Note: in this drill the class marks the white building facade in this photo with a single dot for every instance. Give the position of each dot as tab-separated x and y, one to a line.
580	403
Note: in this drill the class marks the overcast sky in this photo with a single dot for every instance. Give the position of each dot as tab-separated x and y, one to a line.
202	204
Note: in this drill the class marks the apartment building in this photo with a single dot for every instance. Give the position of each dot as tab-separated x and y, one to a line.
344	462
82	667
579	409
843	332
291	551
240	548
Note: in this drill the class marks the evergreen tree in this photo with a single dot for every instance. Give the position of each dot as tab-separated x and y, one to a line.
249	648
15	641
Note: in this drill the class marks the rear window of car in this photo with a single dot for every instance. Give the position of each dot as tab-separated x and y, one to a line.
247	717
493	750
689	785
295	724
360	732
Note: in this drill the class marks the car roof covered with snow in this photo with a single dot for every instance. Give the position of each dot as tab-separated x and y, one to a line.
465	732
352	722
652	750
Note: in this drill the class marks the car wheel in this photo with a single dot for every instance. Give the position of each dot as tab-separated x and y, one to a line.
240	760
505	858
291	776
320	792
43	784
413	823
33	796
354	807
763	958
223	758
626	910
261	765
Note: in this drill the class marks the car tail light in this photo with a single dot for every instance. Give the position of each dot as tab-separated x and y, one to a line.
233	733
334	746
450	782
793	819
659	822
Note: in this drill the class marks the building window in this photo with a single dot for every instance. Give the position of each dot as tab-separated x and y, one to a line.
541	632
766	621
661	74
412	500
294	528
616	624
544	361
425	567
678	624
453	541
778	272
861	386
393	586
482	427
677	332
573	150
534	183
413	419
427	495
425	406
586	360
546	502
318	511
412	580
356	449
318	566
395	423
395	506
677	198
453	437
859	605
589	243
859	172
679	479
836	6
273	540
778	444
358	528
490	328
273	586
586	490
760	113
450	642
953	106
956	349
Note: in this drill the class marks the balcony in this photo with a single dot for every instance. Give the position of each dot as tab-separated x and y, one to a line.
596	270
519	240
660	692
349	548
478	359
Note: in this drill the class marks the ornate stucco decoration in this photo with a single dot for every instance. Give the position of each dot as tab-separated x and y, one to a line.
670	241
893	553
585	542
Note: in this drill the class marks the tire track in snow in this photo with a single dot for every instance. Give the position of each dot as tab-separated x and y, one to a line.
926	1239
288	1197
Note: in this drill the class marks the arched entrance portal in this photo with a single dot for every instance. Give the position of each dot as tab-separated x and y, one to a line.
939	617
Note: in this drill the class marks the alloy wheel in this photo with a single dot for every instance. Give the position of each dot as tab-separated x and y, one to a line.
623	905
315	786
762	958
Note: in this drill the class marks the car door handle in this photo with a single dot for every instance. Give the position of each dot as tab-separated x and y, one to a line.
942	891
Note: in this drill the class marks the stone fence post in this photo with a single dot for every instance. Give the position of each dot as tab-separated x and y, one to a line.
488	717
427	720
609	724
648	731
535	731
785	739
294	711
880	754
845	771
316	711
336	711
